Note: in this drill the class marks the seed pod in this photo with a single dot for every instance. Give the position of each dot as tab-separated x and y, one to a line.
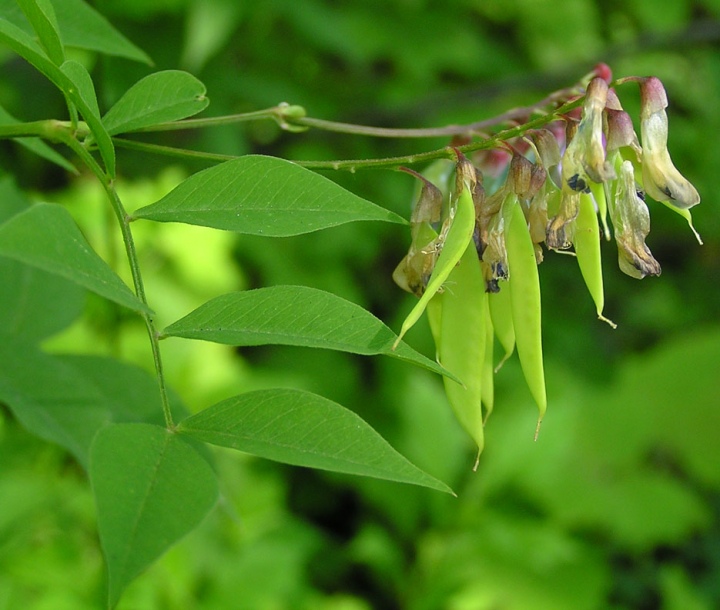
600	194
524	285
587	249
501	317
487	385
462	342
453	239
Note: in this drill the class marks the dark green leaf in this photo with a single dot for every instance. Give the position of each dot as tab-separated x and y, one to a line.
304	429
71	78
35	304
49	398
151	489
160	97
12	200
294	315
46	237
41	15
67	399
129	393
82	92
263	196
25	46
80	26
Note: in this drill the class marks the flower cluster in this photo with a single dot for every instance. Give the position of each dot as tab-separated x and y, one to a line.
558	188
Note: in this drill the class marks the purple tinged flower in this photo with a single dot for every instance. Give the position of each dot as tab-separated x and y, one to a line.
662	181
585	154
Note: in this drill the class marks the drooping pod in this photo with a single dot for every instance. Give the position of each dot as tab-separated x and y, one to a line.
501	317
462	339
524	286
587	250
455	235
488	372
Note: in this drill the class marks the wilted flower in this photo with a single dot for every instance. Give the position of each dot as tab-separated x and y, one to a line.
631	218
660	178
585	154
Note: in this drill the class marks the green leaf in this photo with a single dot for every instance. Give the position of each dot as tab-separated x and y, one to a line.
304	429
50	398
82	92
151	489
294	315
129	393
35	304
41	15
71	78
160	97
46	237
80	26
25	46
261	195
67	399
36	145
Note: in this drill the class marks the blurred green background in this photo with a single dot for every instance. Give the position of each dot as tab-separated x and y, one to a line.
616	505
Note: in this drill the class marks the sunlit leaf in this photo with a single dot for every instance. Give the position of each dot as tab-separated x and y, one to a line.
294	315
160	97
151	488
261	195
304	429
46	237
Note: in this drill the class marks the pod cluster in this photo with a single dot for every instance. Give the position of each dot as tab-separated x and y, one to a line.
474	253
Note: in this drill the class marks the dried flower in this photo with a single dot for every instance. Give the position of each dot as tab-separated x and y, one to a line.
631	218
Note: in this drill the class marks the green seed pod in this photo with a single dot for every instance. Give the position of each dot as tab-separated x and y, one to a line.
524	284
454	238
587	249
462	342
501	319
600	193
487	385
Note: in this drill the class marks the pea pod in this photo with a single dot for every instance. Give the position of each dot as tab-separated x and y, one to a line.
600	192
524	285
458	235
462	342
488	372
501	317
587	250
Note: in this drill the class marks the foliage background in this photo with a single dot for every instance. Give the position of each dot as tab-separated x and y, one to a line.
616	505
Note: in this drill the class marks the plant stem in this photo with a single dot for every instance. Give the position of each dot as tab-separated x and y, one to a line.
515	114
131	252
282	113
